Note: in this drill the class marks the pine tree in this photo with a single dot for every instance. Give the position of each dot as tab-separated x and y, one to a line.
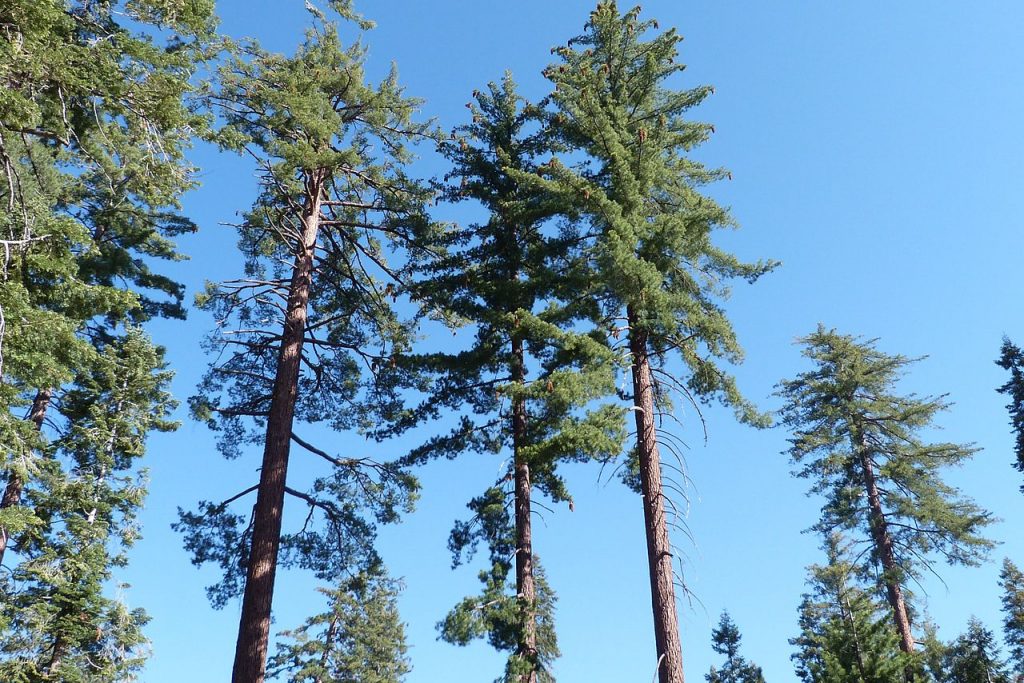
93	129
725	640
858	441
974	657
360	638
1011	579
1012	358
654	270
846	636
304	334
531	374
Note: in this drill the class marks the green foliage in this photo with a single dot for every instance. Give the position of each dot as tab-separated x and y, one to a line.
846	634
846	410
1012	358
360	638
57	621
974	657
725	640
1011	579
516	279
653	261
94	126
311	120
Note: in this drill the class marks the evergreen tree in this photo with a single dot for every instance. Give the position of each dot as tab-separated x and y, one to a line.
530	375
974	657
360	638
858	440
93	129
304	333
845	633
1012	358
1011	579
654	270
725	640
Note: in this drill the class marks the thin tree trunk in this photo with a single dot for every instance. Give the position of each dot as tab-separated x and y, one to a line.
15	483
884	549
525	587
659	545
254	626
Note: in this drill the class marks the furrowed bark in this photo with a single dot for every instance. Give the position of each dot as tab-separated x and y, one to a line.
659	545
15	483
525	587
254	625
883	547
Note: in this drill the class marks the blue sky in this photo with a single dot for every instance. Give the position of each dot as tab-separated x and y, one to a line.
876	150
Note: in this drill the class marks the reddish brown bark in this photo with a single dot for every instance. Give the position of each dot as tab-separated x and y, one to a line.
884	549
525	587
254	626
659	545
15	483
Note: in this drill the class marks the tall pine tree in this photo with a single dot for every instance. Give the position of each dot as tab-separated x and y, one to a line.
93	130
654	270
532	375
859	442
303	334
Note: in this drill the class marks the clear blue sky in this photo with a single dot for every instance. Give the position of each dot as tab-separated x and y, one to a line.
876	150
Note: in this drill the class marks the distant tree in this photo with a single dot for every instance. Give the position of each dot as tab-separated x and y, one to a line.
974	657
846	634
303	334
1012	358
655	272
858	440
1011	579
533	375
725	640
360	638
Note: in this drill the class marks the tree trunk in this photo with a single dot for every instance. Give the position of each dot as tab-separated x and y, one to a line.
15	483
659	545
254	626
883	547
525	587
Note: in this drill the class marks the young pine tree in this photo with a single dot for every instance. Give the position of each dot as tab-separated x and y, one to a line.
1012	358
974	657
845	632
654	270
530	377
858	441
1011	579
360	638
304	334
725	640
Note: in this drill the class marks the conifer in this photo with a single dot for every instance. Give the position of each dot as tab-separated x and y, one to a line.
1012	358
304	333
846	636
654	271
859	442
1011	579
533	373
360	638
725	640
974	657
